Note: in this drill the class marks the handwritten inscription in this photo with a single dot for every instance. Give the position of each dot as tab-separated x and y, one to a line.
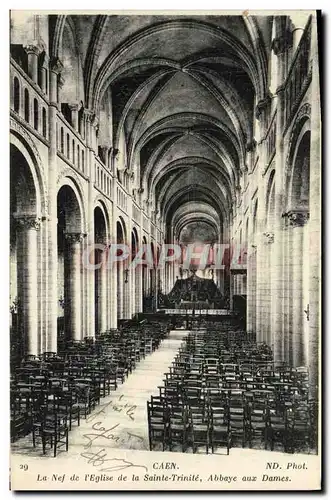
99	458
119	406
99	432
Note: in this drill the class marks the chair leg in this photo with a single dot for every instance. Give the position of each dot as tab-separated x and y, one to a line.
44	444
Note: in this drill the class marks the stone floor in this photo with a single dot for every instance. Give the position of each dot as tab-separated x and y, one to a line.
120	421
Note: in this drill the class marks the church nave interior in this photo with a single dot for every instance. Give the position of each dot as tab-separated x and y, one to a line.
165	227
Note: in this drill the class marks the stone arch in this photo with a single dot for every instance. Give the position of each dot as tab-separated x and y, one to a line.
122	226
302	119
103	77
298	166
20	140
80	211
26	250
99	203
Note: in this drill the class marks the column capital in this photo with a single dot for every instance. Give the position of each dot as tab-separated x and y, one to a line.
33	48
74	237
297	218
90	116
25	221
262	105
56	66
269	237
73	106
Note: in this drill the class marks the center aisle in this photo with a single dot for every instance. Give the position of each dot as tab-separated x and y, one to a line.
120	421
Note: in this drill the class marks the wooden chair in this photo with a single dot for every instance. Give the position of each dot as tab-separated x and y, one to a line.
256	425
277	429
179	426
158	422
200	426
220	431
51	429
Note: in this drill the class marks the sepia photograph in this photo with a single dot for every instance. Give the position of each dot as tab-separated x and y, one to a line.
165	250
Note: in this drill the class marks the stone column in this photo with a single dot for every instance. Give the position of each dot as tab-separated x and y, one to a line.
288	280
44	74
249	285
27	227
297	293
280	46
60	84
139	271
129	286
113	266
33	51
315	224
297	220
261	115
103	275
55	69
90	167
72	286
74	115
120	284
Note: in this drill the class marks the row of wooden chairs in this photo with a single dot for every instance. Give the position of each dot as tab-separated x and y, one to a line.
51	392
260	397
219	423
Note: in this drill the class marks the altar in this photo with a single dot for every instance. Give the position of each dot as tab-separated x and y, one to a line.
195	294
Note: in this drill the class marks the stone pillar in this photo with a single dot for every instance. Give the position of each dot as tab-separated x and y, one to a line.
33	51
103	276
72	286
120	280
315	224
280	47
44	74
52	312
27	227
139	270
74	115
113	266
90	167
261	115
60	84
288	280
129	286
297	220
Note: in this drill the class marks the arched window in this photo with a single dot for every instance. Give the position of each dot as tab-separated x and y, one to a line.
62	140
16	95
73	152
35	114
26	106
78	156
83	166
68	146
44	122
